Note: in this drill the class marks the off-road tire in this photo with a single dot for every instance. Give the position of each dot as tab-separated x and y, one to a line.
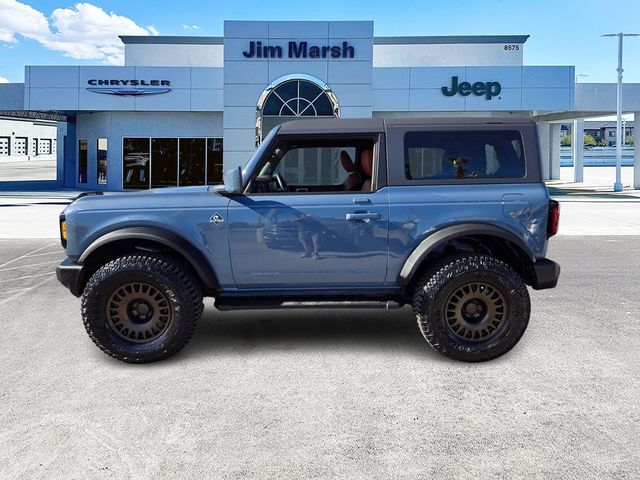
435	308
176	285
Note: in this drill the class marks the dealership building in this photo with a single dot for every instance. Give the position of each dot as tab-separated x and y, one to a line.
184	109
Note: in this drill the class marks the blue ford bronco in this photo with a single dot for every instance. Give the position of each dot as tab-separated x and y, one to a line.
450	215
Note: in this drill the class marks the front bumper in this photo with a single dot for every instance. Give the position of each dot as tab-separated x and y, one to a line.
546	274
69	274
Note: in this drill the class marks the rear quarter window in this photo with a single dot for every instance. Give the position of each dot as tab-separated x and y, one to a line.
461	155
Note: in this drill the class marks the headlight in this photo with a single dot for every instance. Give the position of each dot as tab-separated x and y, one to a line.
63	231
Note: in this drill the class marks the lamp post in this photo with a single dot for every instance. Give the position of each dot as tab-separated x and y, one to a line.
617	187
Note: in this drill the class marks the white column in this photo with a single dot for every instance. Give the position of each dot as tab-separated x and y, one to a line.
636	150
554	151
577	147
543	132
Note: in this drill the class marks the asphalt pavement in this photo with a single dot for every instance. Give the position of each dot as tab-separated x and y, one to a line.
36	168
326	394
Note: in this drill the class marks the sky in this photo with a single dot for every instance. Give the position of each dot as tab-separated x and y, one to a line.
46	32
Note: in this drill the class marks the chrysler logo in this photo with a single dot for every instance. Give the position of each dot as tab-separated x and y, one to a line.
128	88
129	92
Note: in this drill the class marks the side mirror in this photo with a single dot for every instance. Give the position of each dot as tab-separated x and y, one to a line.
233	181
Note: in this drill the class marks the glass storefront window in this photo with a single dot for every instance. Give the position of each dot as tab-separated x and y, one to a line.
136	157
214	161
164	162
82	160
192	161
101	159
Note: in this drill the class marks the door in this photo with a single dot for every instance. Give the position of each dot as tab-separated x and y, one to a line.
300	228
20	146
4	146
44	146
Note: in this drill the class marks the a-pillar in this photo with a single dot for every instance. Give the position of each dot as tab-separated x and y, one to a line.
543	133
554	151
636	151
577	147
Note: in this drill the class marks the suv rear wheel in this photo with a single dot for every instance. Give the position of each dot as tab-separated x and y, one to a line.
141	308
472	308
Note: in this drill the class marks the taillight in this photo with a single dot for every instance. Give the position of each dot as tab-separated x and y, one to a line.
553	222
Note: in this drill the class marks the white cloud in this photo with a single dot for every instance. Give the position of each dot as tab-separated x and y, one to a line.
190	27
3	80
84	32
18	18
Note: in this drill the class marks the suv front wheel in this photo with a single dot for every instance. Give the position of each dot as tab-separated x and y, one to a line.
142	307
472	307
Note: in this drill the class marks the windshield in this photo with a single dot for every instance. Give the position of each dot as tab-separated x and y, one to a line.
257	155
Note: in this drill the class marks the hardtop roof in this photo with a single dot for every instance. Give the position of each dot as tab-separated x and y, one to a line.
378	124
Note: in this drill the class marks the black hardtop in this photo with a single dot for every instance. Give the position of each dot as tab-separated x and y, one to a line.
379	124
332	125
446	121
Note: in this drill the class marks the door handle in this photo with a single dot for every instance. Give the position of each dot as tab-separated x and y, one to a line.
363	216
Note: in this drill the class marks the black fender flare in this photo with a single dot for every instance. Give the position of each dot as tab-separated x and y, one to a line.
439	237
164	237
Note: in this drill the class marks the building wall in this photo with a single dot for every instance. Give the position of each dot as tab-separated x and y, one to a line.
246	78
116	125
439	55
601	97
387	52
11	96
166	55
14	130
69	88
419	89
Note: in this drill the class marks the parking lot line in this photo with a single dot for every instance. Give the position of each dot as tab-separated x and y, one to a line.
57	252
20	292
27	266
26	276
27	254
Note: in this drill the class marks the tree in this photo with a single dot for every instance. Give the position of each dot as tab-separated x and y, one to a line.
589	141
629	140
566	140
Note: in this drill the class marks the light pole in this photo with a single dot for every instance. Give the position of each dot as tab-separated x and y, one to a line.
617	187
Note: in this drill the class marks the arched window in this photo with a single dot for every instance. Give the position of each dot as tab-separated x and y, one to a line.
291	97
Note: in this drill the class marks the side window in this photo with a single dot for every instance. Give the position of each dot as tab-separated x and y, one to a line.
319	166
463	155
316	166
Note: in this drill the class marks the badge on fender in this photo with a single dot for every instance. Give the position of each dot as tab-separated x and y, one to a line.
216	218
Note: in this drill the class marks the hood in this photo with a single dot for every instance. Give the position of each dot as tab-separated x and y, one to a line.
155	198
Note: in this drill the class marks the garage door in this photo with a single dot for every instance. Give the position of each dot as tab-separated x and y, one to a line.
20	146
44	146
4	146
